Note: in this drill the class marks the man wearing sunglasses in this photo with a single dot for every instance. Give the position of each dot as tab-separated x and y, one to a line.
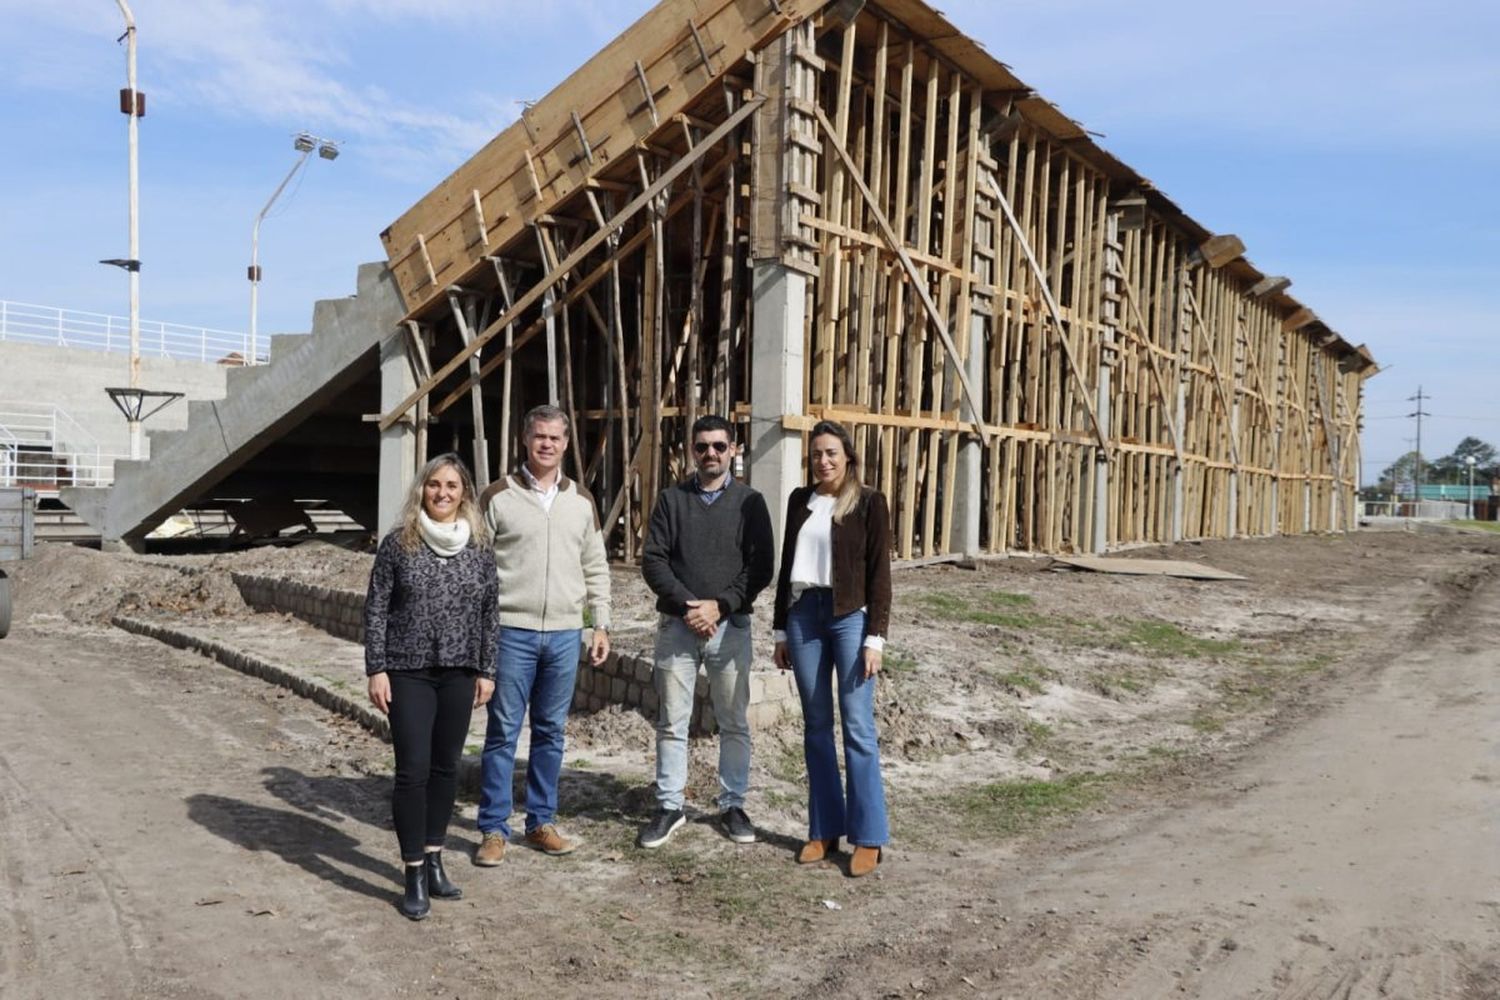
709	552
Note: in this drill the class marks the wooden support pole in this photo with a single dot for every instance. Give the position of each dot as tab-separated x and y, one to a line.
911	269
1052	307
579	254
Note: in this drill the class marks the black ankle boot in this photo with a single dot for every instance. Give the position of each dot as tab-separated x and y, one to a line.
438	883
415	904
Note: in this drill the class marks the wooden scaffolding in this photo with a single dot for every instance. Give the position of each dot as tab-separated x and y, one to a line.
1035	349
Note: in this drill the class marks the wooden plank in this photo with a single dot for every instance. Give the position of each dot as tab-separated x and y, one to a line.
1052	306
581	252
603	91
906	262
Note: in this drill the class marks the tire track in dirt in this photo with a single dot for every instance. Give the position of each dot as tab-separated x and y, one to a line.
59	871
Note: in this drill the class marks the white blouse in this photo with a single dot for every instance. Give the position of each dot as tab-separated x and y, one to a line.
812	562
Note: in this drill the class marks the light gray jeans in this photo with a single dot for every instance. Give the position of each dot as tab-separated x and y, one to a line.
725	657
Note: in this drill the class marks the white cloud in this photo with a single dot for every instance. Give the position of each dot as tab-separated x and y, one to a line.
1336	72
263	62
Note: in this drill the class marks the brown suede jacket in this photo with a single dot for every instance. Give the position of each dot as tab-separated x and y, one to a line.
861	559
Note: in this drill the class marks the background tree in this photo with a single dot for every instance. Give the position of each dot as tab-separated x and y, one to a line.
1401	473
1454	468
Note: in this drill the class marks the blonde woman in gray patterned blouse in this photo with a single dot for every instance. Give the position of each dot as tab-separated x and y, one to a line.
430	628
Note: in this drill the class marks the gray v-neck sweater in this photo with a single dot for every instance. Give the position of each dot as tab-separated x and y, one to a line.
721	551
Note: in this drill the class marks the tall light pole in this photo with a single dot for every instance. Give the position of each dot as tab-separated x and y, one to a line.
1471	461
304	143
133	103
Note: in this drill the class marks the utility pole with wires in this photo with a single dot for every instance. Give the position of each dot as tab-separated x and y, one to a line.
1419	413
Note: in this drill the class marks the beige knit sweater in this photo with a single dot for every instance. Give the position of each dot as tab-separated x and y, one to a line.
550	561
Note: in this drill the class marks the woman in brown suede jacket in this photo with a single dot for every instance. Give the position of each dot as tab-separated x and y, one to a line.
833	605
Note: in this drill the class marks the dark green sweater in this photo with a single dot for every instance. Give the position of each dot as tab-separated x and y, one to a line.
722	551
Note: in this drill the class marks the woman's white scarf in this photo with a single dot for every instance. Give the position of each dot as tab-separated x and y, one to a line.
446	539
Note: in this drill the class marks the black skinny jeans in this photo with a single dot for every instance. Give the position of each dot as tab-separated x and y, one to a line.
429	720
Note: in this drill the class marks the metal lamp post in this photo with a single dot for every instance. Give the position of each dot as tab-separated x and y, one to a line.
304	143
133	103
1471	461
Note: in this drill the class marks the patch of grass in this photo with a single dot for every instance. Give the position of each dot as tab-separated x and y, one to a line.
1006	808
1493	526
583	763
1167	640
778	799
898	662
1312	665
1206	722
789	765
1111	685
734	888
948	605
1037	733
995	607
1022	682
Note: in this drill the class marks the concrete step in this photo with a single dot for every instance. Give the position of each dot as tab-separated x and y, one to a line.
63	526
261	404
282	343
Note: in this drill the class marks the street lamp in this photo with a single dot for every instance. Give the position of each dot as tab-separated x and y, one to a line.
1471	461
132	103
304	143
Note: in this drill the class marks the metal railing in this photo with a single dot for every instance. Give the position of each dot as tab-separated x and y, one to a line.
43	447
24	322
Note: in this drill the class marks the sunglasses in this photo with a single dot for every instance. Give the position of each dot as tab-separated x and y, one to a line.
701	447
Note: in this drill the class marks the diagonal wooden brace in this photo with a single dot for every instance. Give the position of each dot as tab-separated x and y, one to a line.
873	206
588	246
1052	307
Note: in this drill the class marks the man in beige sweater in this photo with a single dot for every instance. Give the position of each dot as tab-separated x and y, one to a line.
551	560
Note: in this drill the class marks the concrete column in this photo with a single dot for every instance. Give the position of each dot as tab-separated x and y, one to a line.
1234	473
398	445
968	477
776	365
1100	541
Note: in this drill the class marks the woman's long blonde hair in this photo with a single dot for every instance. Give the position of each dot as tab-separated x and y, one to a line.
468	505
851	488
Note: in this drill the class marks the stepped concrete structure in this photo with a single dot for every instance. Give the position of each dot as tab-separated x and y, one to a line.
74	379
290	430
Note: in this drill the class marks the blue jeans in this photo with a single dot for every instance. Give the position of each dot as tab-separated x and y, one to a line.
826	650
538	668
726	659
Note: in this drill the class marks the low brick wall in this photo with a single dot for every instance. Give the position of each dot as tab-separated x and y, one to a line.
620	680
338	612
627	680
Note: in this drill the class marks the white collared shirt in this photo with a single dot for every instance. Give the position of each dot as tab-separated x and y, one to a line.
546	495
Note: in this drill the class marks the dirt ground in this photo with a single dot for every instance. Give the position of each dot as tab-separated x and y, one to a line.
1100	786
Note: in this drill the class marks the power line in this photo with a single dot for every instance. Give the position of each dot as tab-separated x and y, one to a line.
1419	414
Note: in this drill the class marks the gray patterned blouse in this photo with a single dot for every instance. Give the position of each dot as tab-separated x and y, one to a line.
425	611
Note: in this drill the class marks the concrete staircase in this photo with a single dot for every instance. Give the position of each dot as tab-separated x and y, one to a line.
261	404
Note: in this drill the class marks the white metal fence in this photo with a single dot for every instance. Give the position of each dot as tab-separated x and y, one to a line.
41	446
33	324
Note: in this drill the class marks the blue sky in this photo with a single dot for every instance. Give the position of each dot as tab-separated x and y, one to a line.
1354	146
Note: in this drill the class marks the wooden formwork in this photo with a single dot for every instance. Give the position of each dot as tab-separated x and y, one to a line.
1034	349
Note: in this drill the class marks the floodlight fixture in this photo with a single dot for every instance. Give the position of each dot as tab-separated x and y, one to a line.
304	143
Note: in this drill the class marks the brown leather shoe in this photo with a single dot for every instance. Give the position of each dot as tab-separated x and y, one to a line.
491	850
816	850
547	840
864	861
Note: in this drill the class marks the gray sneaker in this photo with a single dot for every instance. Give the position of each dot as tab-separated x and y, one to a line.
661	827
737	825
